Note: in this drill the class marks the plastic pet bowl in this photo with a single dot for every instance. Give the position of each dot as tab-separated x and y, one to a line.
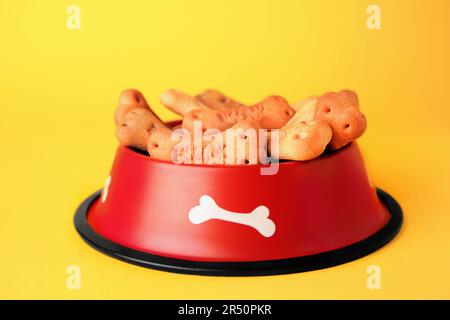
233	221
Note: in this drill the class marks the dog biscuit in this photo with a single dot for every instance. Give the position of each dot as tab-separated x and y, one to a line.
181	103
161	146
130	99
244	135
215	99
134	129
305	104
304	141
272	112
340	110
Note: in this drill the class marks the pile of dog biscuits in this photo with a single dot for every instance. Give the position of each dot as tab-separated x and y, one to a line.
305	128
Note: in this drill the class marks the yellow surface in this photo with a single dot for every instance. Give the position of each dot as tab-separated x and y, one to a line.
59	87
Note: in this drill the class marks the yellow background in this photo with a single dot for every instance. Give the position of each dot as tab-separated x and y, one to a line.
59	87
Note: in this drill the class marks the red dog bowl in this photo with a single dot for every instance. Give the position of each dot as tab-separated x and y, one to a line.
231	220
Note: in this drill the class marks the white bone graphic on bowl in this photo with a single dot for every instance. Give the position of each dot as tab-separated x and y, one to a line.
257	219
105	189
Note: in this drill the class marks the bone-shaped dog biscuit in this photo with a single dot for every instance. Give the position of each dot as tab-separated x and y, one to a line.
272	112
340	110
304	141
135	119
135	128
215	99
243	135
161	146
257	219
305	104
180	102
130	99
